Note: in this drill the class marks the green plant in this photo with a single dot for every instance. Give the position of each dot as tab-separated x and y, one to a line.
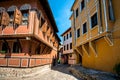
117	68
2	52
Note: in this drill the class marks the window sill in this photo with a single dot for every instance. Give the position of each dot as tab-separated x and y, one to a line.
94	27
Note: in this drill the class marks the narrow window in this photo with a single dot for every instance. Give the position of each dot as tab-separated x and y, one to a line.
78	32
94	20
70	45
67	36
82	5
111	12
70	34
84	28
76	12
4	47
64	38
67	47
64	47
25	17
11	15
16	47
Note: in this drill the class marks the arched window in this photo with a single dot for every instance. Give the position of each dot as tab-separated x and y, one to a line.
25	13
1	10
4	47
10	11
16	47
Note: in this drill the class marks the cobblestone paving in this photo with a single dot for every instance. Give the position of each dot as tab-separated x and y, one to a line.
59	72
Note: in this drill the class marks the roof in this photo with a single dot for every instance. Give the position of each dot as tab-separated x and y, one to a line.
66	31
48	11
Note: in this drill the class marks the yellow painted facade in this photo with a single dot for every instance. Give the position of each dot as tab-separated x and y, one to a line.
99	46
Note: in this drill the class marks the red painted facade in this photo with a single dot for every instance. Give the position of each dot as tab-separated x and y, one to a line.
26	45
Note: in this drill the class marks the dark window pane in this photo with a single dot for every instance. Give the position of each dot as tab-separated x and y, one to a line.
67	46
111	12
64	38
64	48
77	12
82	4
4	47
70	34
16	47
78	33
67	36
70	45
94	20
84	28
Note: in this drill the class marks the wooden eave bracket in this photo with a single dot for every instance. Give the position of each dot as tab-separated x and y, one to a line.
85	48
79	50
93	47
108	38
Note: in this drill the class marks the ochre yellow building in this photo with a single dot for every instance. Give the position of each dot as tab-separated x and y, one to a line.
96	33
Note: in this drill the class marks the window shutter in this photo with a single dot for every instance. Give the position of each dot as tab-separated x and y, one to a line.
5	19
17	17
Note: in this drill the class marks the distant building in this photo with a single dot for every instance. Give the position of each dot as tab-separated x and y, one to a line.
68	55
27	33
96	33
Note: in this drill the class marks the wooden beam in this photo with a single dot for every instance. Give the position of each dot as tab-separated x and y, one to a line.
93	47
108	39
79	50
85	48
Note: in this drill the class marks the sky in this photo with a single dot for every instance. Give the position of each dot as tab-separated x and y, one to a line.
61	10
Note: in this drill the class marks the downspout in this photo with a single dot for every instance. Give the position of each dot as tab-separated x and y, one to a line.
105	14
100	24
74	28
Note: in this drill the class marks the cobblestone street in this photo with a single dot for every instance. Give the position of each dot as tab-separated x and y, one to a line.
56	73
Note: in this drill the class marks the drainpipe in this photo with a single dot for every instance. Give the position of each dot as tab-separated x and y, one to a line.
74	28
100	24
105	14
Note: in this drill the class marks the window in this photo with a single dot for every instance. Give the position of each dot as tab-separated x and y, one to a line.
67	36
16	47
64	38
70	45
94	20
78	32
82	5
4	47
77	12
67	47
11	15
70	34
111	12
84	28
64	47
25	17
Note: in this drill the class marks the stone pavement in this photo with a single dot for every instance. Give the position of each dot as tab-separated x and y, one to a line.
90	74
59	72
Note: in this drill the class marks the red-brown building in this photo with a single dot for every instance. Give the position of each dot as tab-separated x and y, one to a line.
27	33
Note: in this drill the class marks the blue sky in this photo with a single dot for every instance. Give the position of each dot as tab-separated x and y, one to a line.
61	12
